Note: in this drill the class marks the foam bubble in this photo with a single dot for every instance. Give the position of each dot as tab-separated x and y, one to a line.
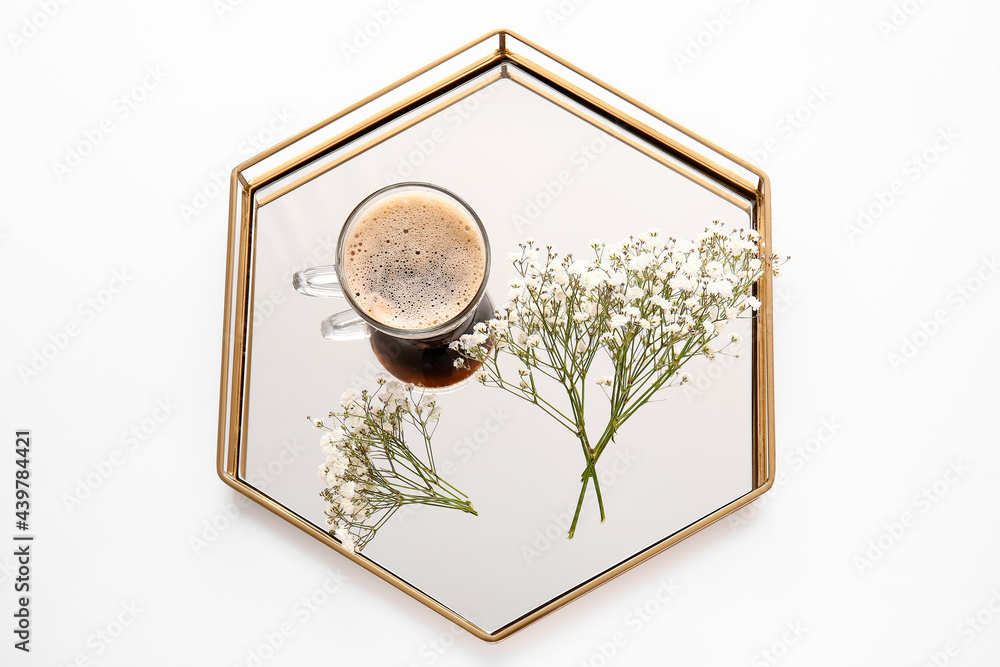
414	260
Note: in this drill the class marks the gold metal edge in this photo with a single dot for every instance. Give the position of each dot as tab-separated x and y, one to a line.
260	157
627	565
694	177
705	163
282	512
227	324
264	179
631	100
768	304
226	469
271	196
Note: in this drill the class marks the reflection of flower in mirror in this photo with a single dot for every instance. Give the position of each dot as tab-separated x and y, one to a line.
649	302
370	471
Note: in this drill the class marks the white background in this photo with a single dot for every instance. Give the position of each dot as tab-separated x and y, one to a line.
886	362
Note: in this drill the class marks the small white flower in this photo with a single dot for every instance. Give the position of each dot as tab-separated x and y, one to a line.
604	380
514	257
347	490
480	375
753	302
530	240
593	279
644	324
459	363
643	260
349	397
711	352
435	413
659	302
581	316
522	371
476	339
525	384
722	287
594	243
736	338
346	539
713	268
581	347
618	320
633	293
685	378
754	264
709	328
632	312
534	340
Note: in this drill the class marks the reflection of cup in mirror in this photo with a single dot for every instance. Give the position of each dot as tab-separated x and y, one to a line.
413	260
429	361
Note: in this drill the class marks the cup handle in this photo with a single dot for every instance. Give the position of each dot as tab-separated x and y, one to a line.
317	281
347	325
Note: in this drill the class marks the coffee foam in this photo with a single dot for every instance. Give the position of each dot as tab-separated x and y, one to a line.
414	260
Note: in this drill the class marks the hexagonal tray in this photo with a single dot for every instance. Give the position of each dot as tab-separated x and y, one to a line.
537	147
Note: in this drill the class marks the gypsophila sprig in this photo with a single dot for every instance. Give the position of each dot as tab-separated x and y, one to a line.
650	303
370	471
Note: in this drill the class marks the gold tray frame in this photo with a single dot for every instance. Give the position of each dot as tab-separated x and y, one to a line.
711	166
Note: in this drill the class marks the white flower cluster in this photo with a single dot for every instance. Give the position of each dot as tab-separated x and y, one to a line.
672	296
369	471
650	302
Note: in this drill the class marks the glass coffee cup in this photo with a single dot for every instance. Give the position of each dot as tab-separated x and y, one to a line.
413	260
